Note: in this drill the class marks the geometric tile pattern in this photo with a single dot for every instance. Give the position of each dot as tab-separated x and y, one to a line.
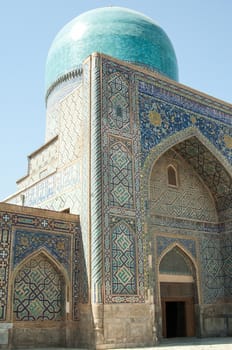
226	251
38	292
69	129
209	169
53	174
26	233
119	116
212	270
190	226
178	114
5	242
216	266
175	263
190	199
164	242
26	243
170	117
121	183
121	197
123	260
80	288
54	188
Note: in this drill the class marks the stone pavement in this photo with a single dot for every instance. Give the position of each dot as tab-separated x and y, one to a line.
175	344
196	344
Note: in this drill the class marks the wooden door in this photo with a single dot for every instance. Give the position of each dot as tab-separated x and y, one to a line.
188	320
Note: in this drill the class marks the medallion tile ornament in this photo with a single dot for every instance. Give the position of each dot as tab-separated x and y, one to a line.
155	118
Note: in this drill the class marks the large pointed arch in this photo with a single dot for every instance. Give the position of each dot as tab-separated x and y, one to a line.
206	162
171	222
174	140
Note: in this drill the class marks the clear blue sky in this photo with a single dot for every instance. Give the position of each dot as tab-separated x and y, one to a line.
200	30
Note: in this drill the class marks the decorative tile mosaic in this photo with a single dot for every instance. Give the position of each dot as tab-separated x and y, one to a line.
189	199
123	264
119	112
188	226
51	187
164	242
80	280
121	179
26	243
210	170
212	270
175	262
169	117
173	119
121	187
178	96
5	243
38	292
58	94
226	251
199	129
70	126
27	234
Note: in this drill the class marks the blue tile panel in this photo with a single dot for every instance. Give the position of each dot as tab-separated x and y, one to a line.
164	242
25	235
27	242
178	113
121	201
216	267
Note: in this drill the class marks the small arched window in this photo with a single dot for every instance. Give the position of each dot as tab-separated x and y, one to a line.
172	176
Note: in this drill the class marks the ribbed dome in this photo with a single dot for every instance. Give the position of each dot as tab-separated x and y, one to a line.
117	32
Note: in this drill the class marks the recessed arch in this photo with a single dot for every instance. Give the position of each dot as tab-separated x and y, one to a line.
206	161
48	255
170	142
182	249
178	290
40	289
177	246
191	199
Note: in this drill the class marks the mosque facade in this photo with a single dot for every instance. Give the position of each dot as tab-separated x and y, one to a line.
120	234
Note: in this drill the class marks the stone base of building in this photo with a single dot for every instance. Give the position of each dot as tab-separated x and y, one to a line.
110	326
216	320
126	325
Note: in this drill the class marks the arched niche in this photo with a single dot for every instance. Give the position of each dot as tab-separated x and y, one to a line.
39	290
205	160
189	197
175	262
172	175
178	293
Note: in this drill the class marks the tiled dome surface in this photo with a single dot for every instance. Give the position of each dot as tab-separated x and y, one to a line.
117	32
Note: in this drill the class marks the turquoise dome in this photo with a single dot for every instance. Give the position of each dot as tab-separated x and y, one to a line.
118	32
